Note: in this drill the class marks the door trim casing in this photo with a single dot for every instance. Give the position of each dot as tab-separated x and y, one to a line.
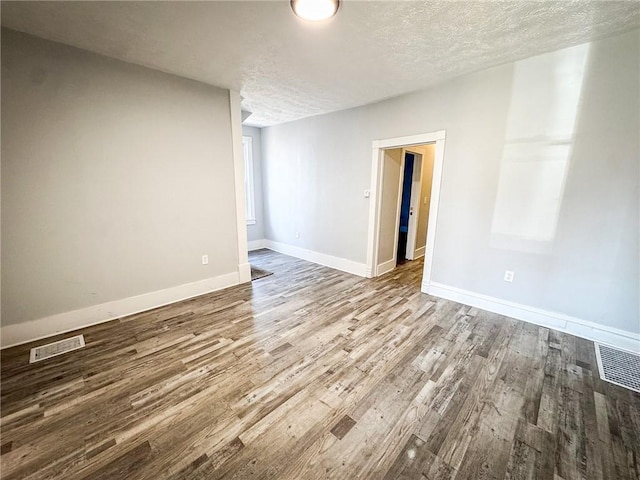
244	269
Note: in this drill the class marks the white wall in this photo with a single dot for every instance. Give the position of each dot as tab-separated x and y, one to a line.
115	180
256	231
391	173
584	263
426	180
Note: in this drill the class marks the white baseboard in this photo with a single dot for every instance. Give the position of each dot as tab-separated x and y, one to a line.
256	244
387	266
419	252
338	263
614	337
16	334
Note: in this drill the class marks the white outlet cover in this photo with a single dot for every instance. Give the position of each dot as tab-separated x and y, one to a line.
508	276
205	259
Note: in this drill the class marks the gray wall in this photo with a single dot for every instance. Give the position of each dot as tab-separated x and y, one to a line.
517	139
256	231
115	180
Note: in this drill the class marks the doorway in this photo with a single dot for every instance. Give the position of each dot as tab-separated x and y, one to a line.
406	181
395	161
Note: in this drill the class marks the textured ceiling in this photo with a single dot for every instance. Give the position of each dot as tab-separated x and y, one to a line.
288	69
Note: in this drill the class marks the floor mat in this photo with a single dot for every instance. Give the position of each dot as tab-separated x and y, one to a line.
257	273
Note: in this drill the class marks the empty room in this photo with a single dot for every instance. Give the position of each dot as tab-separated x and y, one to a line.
320	239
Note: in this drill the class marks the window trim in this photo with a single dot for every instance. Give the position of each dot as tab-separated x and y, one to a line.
249	187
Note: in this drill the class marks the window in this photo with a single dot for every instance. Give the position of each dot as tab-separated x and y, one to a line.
250	206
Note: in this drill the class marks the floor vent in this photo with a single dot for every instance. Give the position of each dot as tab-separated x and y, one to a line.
56	348
619	367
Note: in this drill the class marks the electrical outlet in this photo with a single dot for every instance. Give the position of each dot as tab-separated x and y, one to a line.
205	259
367	193
297	234
508	276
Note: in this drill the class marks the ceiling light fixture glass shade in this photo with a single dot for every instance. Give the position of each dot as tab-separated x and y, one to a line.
315	10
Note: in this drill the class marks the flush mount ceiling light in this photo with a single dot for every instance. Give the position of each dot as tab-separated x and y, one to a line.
315	10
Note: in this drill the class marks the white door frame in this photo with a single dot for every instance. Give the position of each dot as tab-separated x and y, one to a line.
377	153
396	230
244	269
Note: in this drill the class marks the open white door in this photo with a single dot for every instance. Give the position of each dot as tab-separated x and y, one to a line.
414	209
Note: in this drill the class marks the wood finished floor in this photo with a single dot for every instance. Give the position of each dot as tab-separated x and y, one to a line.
313	373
